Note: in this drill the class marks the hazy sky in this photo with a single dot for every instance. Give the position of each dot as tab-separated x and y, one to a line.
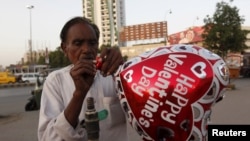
48	17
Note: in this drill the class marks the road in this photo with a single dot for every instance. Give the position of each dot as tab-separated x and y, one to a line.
16	124
234	108
11	99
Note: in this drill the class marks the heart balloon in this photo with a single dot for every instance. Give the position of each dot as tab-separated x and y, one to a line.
167	93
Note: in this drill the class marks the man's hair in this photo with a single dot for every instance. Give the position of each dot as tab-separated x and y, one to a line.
74	21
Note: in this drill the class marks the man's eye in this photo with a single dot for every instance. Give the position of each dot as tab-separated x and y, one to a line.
78	43
93	43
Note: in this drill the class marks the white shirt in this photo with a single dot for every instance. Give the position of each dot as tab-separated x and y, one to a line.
57	93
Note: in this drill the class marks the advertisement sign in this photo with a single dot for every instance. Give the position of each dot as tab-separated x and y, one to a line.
192	35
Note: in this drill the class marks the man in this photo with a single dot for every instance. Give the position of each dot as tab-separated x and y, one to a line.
63	102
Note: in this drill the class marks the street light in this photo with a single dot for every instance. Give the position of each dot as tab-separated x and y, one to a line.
166	34
30	7
196	19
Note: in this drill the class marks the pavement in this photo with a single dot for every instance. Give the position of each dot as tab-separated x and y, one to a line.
233	109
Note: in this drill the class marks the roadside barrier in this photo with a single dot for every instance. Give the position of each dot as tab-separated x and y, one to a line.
16	85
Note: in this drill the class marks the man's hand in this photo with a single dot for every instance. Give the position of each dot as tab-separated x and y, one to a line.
83	74
111	60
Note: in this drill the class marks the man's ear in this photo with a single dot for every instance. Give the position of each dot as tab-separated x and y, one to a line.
64	48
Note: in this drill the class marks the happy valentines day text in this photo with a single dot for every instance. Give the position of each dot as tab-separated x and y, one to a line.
158	91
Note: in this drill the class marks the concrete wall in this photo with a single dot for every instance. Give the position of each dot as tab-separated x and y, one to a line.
133	51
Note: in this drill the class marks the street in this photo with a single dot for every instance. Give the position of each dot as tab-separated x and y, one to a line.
233	109
17	124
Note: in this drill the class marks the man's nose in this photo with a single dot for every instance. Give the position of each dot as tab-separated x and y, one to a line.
85	47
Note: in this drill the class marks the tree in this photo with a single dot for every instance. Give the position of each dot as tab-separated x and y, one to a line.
41	60
57	59
222	32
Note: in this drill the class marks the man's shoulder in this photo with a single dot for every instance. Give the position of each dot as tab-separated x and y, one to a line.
63	70
60	72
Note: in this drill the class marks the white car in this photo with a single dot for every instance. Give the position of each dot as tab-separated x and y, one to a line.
31	77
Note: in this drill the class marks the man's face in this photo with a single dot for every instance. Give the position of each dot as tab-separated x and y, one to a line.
81	43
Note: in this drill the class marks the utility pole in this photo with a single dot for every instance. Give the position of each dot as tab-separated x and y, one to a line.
30	7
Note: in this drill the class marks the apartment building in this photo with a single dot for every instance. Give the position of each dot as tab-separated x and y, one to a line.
248	38
109	16
146	33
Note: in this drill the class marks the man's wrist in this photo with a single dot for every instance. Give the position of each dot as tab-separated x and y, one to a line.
79	94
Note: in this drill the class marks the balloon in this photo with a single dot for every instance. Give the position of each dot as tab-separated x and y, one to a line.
167	93
98	62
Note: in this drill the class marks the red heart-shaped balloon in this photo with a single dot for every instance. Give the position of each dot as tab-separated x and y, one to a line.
167	92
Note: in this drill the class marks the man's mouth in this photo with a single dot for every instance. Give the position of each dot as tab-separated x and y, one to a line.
87	57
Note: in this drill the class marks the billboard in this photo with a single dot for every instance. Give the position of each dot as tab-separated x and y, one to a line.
192	35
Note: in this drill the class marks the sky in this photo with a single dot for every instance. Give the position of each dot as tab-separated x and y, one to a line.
49	16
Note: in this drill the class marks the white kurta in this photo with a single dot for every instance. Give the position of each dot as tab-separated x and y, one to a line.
57	92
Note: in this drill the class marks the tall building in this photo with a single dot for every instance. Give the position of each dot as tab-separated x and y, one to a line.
109	16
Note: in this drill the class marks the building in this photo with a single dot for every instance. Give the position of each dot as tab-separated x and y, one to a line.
248	38
132	51
1	68
192	35
144	33
36	54
109	16
21	69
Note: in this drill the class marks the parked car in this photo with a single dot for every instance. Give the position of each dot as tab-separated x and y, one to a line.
7	77
31	77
